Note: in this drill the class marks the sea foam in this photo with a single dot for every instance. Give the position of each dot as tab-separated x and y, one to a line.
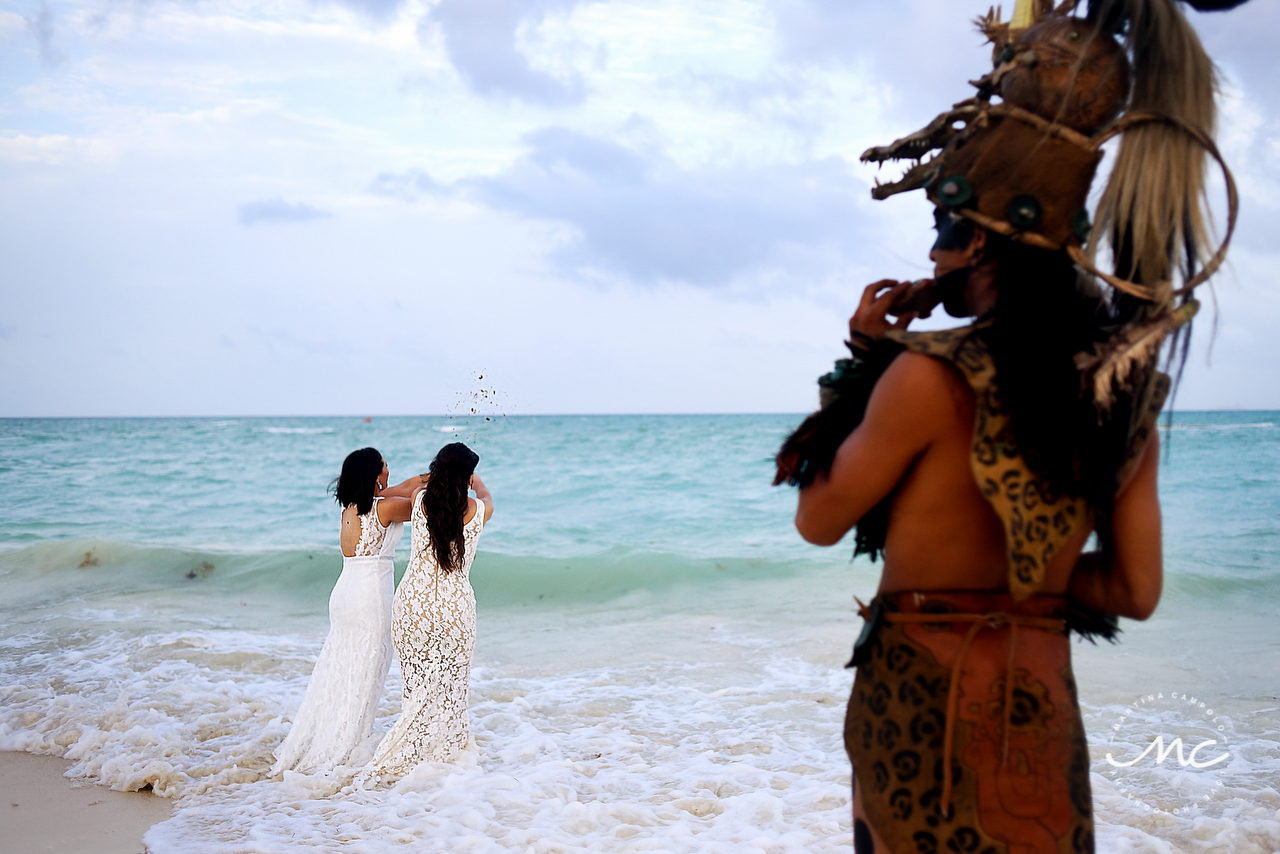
659	662
643	756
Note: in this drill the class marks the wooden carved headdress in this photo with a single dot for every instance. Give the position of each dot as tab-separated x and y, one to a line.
1019	157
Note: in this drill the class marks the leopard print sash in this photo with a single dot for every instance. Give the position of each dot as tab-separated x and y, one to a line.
1036	524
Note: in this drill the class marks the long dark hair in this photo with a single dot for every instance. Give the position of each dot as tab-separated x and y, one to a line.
358	480
1047	312
444	502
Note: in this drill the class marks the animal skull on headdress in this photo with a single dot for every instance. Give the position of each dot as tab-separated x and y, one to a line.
1022	165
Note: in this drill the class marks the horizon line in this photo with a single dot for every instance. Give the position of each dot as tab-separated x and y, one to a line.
498	416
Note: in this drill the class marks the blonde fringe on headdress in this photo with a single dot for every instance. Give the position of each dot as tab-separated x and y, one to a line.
1153	211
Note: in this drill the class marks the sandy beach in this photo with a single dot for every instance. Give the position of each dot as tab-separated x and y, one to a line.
44	811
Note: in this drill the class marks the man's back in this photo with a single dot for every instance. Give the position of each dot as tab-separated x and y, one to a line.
943	534
916	443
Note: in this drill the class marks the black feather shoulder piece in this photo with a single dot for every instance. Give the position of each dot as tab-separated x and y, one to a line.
811	448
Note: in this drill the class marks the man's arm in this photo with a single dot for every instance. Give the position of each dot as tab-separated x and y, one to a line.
901	421
1131	585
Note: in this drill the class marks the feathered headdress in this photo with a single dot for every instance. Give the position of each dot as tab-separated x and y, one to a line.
1020	156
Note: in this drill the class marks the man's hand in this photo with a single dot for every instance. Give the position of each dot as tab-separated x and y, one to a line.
871	321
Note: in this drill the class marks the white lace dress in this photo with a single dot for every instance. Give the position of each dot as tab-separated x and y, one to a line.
433	624
335	721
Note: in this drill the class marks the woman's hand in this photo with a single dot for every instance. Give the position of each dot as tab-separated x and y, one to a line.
871	321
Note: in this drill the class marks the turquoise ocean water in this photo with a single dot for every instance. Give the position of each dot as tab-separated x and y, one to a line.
659	655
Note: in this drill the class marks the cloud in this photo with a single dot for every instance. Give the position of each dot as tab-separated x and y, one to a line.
743	182
42	27
278	210
921	49
780	97
642	216
381	11
1243	38
406	186
480	38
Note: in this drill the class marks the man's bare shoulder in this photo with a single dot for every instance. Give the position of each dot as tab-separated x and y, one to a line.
917	385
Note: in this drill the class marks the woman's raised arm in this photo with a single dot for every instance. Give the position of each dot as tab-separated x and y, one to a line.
406	488
483	494
394	509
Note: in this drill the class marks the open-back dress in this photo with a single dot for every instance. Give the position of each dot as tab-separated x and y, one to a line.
335	721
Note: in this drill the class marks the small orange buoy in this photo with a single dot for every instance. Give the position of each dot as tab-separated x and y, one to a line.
367	420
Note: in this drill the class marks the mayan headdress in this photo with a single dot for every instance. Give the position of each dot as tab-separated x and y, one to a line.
1022	165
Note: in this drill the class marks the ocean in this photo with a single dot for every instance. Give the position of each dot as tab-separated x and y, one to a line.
660	657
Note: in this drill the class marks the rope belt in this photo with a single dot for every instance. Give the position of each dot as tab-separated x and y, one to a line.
980	622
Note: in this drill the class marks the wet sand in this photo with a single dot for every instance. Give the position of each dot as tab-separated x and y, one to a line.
45	812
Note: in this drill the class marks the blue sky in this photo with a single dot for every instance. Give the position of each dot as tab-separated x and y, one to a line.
363	206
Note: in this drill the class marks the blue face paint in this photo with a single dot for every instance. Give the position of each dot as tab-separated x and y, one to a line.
954	232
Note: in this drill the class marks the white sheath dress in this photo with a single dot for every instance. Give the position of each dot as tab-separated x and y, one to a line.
335	721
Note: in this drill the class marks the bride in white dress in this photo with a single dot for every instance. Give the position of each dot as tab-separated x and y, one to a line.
433	619
335	721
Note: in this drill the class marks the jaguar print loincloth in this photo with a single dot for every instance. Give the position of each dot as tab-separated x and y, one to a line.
1027	795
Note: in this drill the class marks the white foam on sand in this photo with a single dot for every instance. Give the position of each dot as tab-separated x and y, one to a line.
613	759
637	757
592	731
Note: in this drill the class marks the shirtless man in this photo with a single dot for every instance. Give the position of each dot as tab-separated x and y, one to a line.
978	461
915	443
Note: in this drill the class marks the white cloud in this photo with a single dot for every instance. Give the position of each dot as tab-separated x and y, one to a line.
480	37
643	218
52	149
378	10
278	210
496	201
406	186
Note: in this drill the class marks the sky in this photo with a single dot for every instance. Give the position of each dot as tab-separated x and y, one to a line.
366	207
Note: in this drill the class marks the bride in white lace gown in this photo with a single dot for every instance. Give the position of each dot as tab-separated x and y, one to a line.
433	618
335	721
